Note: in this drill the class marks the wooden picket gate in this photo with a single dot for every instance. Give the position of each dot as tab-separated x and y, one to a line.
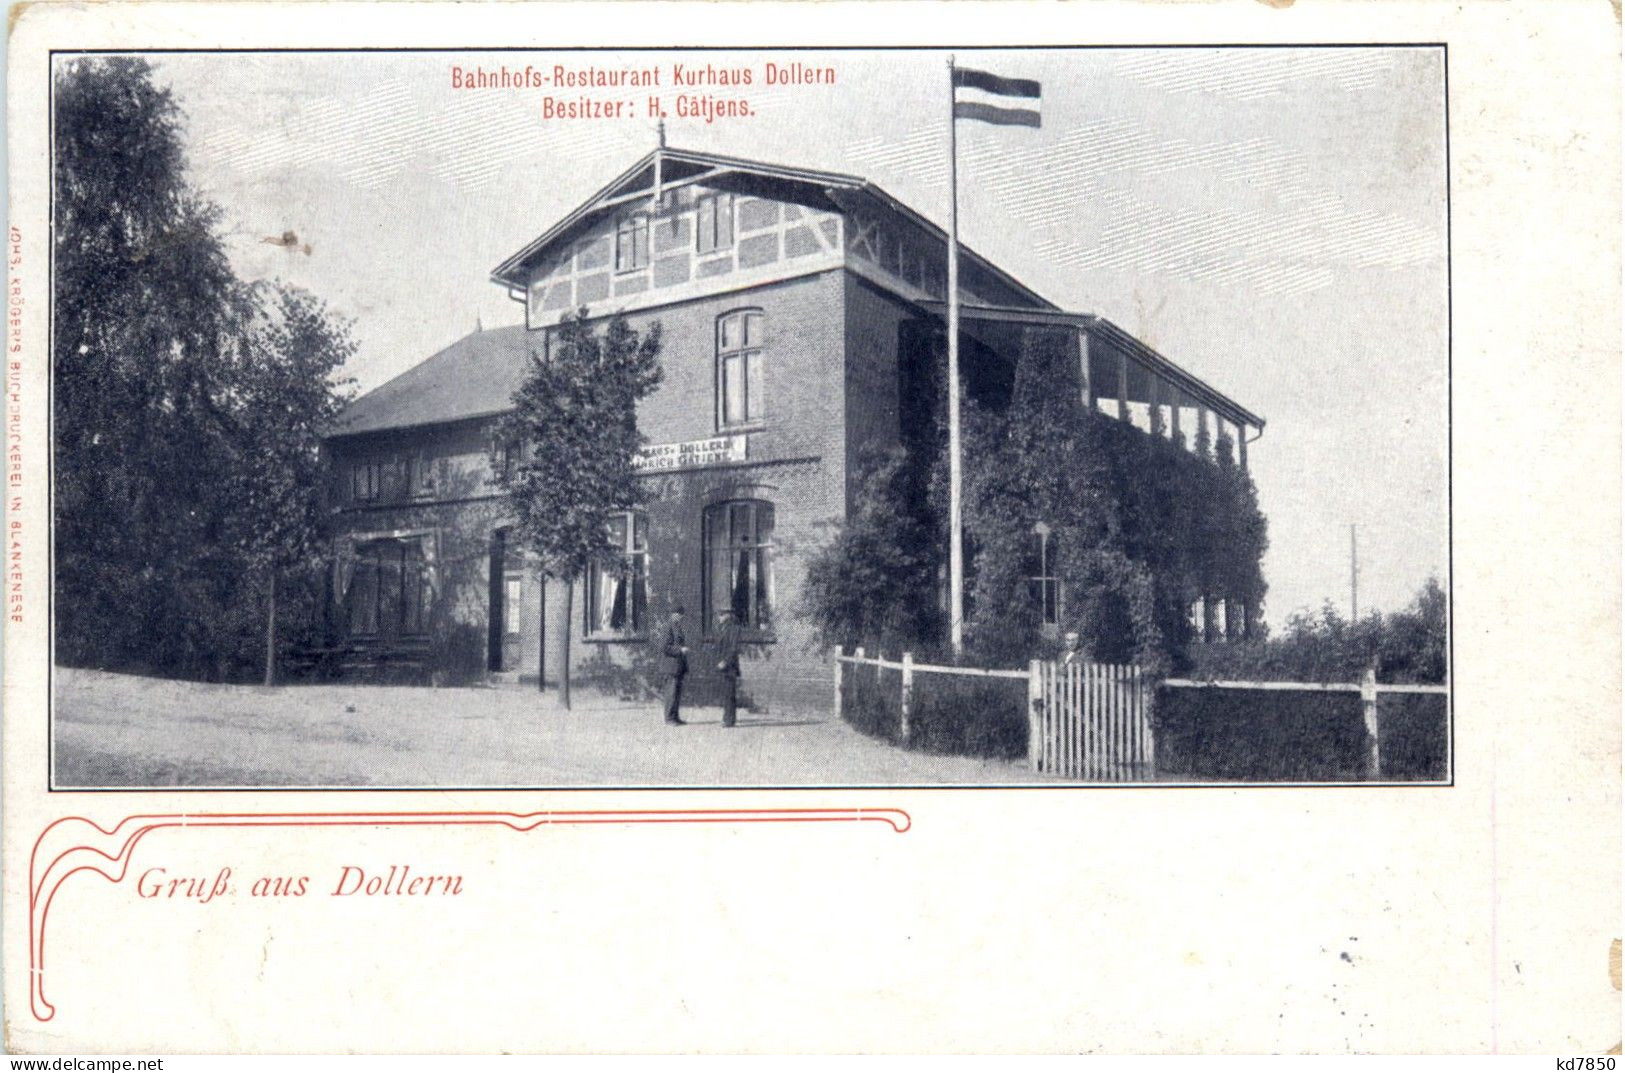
1090	721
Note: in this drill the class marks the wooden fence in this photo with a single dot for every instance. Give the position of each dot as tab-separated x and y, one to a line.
908	669
1368	687
1090	721
1093	721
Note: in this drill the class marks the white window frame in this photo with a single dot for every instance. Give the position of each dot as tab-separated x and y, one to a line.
1046	579
722	210
633	224
751	352
634	560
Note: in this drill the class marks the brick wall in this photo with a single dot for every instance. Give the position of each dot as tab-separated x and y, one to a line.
873	323
796	459
825	369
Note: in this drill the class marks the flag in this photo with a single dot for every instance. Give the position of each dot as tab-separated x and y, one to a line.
971	108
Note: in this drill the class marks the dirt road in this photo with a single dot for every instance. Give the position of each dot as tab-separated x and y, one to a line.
122	730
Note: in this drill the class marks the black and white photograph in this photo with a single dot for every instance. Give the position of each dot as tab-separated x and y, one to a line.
686	418
876	528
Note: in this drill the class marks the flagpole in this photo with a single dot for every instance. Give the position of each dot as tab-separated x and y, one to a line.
956	569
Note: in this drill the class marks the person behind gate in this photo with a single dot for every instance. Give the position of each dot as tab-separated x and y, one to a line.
674	665
728	664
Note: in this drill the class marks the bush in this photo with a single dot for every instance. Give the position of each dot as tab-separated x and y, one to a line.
1260	736
1414	729
948	714
1409	646
871	701
457	658
962	716
866	585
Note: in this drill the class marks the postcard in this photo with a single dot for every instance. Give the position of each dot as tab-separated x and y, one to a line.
812	528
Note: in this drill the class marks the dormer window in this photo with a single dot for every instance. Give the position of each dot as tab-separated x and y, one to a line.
632	242
714	223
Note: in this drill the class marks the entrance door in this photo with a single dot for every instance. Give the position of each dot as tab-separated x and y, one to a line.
493	611
502	620
513	585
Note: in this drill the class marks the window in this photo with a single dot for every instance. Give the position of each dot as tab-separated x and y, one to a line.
513	591
388	588
618	593
425	475
738	537
1042	582
366	481
739	369
632	242
714	223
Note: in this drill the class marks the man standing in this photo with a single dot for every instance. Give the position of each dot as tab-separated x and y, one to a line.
674	664
728	664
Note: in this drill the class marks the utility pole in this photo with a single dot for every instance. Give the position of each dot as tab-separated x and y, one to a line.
956	567
1354	577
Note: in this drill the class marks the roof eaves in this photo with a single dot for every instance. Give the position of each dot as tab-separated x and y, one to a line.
933	228
503	273
346	433
1187	380
1151	358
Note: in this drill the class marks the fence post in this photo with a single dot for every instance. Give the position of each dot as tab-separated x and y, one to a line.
1035	702
903	726
1148	709
1368	709
840	650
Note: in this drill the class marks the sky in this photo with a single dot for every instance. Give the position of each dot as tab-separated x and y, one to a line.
1273	220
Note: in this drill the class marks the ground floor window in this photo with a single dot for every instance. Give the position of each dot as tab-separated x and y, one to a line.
1042	582
738	538
387	590
618	592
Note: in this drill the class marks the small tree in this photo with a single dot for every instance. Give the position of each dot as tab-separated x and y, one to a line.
576	415
875	581
287	395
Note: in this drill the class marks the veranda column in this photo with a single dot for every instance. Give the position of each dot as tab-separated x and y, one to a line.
1122	386
1086	389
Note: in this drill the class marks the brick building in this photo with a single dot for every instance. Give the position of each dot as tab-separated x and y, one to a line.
799	312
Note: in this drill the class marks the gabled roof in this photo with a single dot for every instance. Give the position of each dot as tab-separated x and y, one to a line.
474	377
680	165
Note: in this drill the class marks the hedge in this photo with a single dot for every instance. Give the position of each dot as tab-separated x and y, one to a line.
1414	729
951	714
1297	736
1260	736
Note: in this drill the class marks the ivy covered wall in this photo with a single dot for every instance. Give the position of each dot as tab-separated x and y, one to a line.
1139	528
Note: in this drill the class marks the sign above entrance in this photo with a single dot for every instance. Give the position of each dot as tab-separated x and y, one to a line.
716	451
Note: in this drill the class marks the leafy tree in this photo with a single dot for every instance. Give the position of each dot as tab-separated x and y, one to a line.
873	583
145	309
285	392
576	412
172	383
